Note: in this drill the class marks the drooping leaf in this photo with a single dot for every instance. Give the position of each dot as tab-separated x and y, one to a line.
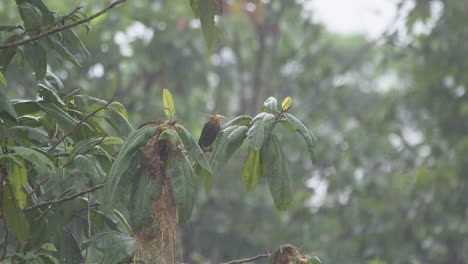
120	108
168	103
229	140
183	182
261	127
88	166
120	124
28	136
62	51
304	131
53	81
207	11
171	134
251	170
145	191
83	147
193	149
286	104
270	105
42	165
30	15
131	145
36	56
114	245
5	103
243	120
15	219
123	221
275	169
18	179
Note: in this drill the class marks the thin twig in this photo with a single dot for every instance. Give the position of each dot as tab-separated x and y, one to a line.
89	225
68	198
62	28
78	124
5	228
37	187
247	260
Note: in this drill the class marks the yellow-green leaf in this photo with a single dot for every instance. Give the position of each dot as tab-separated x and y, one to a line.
286	104
251	170
2	79
168	104
19	180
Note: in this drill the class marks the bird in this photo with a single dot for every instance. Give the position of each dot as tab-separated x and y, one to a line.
209	132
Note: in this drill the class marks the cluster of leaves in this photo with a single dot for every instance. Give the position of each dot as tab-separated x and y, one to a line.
55	150
38	18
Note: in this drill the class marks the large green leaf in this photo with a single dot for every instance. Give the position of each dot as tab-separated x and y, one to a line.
243	120
67	122
90	167
251	170
120	124
15	219
61	50
42	165
275	168
27	136
145	192
5	103
30	15
304	131
184	186
3	80
83	147
36	56
193	149
114	245
131	145
261	128
229	140
207	11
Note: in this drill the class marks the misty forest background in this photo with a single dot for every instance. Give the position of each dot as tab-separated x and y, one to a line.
390	114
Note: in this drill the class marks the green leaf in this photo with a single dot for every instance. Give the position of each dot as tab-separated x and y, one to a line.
83	147
62	51
89	167
31	17
270	105
120	108
18	179
193	149
207	11
261	128
194	6
74	44
144	193
36	56
304	131
182	177
15	219
66	122
123	221
314	260
131	145
24	134
49	95
171	134
251	170
229	140
5	103
118	122
168	103
49	247
3	80
48	259
53	81
114	245
68	248
275	168
243	120
42	165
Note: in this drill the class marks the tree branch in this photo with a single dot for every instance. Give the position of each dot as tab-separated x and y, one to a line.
247	260
62	28
78	124
68	198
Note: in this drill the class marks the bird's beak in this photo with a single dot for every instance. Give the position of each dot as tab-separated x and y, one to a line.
217	117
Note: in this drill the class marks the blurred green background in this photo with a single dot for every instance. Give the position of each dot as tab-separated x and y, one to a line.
390	114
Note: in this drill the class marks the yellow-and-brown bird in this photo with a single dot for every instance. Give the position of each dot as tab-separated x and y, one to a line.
209	132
